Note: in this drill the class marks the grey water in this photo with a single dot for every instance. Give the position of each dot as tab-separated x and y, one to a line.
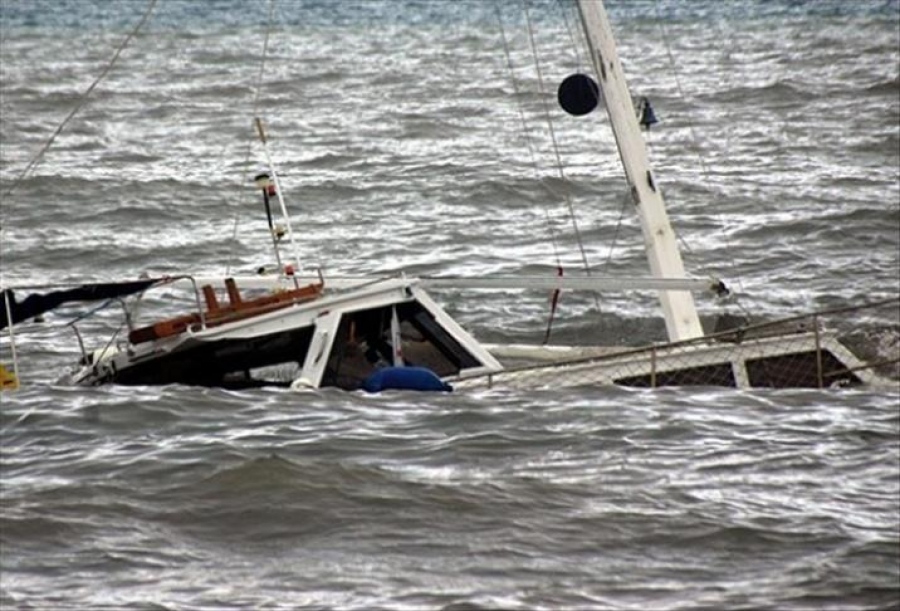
404	142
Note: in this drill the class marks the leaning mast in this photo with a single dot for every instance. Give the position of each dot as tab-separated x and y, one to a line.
682	321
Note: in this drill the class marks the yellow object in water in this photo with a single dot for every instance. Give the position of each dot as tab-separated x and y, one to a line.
8	380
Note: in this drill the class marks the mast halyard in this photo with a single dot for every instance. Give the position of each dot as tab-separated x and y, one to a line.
682	321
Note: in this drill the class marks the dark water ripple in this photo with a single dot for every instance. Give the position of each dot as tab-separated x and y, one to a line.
400	147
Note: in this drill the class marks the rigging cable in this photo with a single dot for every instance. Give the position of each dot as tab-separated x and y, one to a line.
81	101
627	199
703	165
559	164
554	299
245	177
526	133
572	38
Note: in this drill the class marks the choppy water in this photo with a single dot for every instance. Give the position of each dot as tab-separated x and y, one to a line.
400	143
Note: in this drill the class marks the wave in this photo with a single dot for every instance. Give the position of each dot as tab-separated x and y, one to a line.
776	91
885	146
889	87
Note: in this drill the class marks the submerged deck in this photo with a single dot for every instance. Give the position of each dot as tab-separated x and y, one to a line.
791	353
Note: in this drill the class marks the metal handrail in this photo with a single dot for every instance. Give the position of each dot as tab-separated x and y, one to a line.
739	333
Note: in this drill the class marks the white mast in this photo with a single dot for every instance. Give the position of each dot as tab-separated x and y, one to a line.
284	213
678	307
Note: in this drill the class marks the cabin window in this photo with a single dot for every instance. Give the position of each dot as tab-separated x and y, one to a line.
707	375
270	360
363	345
230	363
799	370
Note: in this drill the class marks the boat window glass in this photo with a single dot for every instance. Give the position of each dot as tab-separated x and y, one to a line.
272	359
362	345
721	374
799	370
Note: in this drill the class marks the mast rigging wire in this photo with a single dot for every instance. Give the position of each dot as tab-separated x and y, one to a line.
525	131
554	299
696	140
559	164
81	101
576	44
257	87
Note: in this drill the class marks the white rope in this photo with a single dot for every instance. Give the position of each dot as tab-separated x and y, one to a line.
612	246
582	41
81	102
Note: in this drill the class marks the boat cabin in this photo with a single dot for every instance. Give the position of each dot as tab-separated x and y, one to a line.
303	336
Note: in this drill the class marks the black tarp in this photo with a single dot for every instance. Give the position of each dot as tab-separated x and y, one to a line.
37	303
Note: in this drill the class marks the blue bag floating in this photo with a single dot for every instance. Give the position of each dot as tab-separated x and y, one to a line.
405	378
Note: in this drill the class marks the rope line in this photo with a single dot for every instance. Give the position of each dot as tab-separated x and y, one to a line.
703	165
81	102
525	130
612	246
691	128
559	163
575	46
558	158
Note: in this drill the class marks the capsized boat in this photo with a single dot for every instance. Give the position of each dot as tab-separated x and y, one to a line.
315	336
317	332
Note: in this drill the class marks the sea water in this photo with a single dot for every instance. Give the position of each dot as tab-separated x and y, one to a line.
413	135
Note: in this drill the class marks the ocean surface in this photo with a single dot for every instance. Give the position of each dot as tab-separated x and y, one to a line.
423	136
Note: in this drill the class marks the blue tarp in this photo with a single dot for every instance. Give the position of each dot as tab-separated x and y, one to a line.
405	378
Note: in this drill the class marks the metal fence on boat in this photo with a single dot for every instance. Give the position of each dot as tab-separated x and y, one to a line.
835	348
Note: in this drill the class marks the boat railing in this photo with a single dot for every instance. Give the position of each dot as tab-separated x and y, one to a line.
210	313
795	351
129	310
205	312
